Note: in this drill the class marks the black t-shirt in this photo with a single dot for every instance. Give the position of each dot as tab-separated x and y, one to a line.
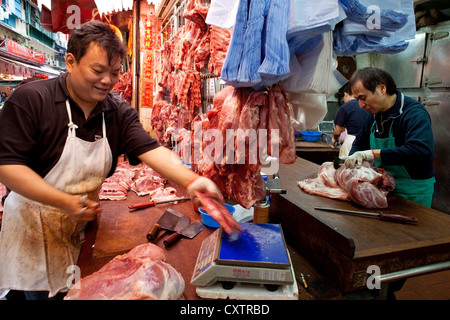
33	126
351	116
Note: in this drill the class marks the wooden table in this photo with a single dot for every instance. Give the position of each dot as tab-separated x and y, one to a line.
317	151
342	247
332	250
112	234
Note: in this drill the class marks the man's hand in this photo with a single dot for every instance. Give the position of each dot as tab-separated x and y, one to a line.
356	159
207	186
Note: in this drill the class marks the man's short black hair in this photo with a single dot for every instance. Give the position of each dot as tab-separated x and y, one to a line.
99	33
371	77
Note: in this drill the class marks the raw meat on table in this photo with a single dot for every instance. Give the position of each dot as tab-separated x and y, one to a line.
140	274
367	186
112	191
141	179
325	184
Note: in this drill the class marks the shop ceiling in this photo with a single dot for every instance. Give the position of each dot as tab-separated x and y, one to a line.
63	15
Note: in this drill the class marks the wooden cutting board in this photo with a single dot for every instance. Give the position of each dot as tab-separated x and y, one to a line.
120	230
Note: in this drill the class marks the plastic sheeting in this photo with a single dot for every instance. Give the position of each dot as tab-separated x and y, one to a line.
309	109
316	70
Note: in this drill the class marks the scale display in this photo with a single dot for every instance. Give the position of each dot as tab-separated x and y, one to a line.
257	255
259	244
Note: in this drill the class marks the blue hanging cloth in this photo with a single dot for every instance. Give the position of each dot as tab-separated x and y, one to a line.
251	58
276	50
233	58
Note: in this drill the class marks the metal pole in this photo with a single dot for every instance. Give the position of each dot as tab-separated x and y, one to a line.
413	272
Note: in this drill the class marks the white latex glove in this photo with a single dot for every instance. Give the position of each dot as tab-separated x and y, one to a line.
356	159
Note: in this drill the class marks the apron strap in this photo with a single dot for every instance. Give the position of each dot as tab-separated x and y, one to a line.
104	125
72	126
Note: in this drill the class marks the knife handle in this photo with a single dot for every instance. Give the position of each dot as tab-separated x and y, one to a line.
397	218
151	235
142	205
170	240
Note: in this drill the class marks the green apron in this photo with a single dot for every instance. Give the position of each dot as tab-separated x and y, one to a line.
419	191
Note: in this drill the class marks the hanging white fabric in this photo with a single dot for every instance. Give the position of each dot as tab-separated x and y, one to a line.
222	13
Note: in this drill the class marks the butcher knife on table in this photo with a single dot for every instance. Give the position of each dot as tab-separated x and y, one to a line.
382	216
143	205
171	220
189	232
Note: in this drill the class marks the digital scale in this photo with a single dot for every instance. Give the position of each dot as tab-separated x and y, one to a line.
254	264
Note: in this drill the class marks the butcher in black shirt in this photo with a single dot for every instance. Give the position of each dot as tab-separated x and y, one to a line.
59	140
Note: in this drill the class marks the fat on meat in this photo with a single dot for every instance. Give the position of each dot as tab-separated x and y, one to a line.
367	186
112	191
325	184
140	274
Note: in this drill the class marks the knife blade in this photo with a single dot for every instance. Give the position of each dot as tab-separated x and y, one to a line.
143	205
189	232
382	216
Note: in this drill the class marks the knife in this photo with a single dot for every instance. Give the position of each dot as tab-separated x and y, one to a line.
383	216
189	232
143	205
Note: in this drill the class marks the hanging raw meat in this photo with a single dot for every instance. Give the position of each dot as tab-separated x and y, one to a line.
219	43
237	116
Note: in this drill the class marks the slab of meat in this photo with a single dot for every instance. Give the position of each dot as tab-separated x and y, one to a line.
287	139
140	274
236	136
146	183
219	43
325	184
162	194
367	186
112	191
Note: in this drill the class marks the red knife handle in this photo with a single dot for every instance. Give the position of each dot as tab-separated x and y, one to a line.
398	218
142	205
170	240
151	235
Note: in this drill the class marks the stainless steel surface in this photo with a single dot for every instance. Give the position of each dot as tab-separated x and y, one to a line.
438	106
403	274
436	70
193	229
406	67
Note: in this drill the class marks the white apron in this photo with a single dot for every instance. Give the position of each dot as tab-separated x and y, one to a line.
346	145
38	242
